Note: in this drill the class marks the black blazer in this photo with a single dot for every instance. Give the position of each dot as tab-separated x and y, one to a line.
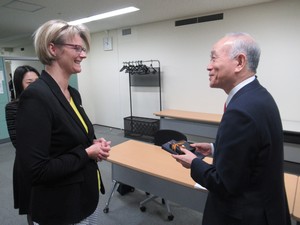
246	180
11	109
19	189
51	143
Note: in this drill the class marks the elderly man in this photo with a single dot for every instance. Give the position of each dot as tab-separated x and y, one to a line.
246	180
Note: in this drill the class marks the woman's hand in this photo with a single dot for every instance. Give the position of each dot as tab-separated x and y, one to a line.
99	150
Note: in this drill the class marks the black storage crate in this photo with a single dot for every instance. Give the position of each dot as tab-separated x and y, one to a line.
140	128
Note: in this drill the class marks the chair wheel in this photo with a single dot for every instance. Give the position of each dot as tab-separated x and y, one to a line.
105	210
170	217
143	208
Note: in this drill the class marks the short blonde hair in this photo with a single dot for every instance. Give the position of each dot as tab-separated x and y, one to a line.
57	32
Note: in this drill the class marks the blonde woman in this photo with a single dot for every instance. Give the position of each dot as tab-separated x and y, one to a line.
57	149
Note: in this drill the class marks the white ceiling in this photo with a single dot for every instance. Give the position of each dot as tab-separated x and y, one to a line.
20	18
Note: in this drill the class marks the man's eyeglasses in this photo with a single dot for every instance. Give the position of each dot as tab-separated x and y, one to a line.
77	48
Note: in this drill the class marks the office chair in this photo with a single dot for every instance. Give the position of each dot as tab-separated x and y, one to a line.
160	138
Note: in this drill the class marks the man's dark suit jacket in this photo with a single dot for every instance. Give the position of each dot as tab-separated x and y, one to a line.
51	143
246	180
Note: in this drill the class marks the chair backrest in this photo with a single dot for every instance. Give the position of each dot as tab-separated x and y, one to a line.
163	136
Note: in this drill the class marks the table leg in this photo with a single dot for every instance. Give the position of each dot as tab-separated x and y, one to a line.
115	185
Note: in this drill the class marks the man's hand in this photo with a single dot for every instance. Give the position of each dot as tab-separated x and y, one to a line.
185	159
203	148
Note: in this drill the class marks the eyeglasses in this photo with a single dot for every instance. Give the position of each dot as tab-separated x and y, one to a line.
77	48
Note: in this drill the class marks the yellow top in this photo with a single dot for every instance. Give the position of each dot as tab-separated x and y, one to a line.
86	129
78	114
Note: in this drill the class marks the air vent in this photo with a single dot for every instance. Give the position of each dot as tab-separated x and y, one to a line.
201	19
6	49
186	21
126	31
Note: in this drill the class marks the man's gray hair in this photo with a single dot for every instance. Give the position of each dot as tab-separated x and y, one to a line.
244	43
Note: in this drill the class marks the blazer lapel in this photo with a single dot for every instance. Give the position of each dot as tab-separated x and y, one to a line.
65	103
80	109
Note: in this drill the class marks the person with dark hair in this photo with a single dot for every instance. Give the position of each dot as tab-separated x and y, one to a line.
23	77
57	148
246	179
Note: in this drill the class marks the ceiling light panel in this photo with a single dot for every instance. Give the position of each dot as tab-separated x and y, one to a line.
105	15
23	6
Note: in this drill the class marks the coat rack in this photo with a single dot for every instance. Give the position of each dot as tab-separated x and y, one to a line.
142	74
139	67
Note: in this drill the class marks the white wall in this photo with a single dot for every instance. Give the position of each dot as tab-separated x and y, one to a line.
184	54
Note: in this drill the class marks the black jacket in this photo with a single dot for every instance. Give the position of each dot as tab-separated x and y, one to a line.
246	180
51	153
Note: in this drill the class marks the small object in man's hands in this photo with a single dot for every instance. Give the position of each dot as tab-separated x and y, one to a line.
168	147
174	147
181	144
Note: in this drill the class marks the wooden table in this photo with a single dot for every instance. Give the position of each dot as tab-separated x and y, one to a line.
152	169
206	125
149	168
190	116
290	181
296	211
193	123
